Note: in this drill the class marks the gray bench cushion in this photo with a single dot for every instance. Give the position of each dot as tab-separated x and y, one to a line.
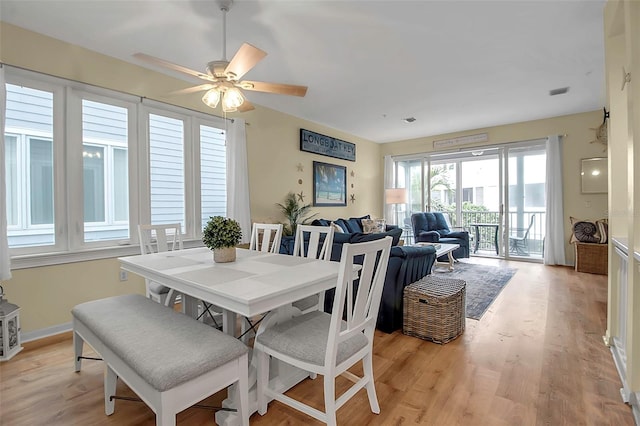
164	347
305	338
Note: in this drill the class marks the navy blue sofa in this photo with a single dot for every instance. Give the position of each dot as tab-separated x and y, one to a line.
407	264
432	227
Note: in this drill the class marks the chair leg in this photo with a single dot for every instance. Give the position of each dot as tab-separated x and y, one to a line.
263	380
165	418
78	344
170	298
367	364
330	399
110	381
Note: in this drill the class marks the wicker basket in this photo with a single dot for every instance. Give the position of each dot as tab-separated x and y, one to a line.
434	309
591	258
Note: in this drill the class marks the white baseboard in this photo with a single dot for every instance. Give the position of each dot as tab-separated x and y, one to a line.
46	332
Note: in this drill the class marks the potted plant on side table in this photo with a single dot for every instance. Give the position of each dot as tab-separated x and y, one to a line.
222	235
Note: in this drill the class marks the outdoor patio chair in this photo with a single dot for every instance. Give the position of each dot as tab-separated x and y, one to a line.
519	243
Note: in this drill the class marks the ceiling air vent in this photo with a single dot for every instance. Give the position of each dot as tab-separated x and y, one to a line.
409	119
560	91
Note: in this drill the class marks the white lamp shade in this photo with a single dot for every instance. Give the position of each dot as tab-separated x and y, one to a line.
395	195
232	99
212	97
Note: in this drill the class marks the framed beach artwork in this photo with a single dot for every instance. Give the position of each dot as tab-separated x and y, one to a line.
329	184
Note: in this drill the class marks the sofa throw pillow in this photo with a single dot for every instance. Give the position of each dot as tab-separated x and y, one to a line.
586	231
336	228
369	226
342	224
603	229
353	225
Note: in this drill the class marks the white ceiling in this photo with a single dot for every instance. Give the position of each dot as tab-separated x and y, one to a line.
453	65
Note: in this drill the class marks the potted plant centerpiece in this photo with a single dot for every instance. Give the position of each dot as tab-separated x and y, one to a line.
222	235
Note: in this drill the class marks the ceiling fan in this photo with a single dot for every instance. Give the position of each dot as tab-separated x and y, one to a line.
224	85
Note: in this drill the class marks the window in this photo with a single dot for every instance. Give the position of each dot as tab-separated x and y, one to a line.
105	171
29	166
166	148
467	194
213	170
73	156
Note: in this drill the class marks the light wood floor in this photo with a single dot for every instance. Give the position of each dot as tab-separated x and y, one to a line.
535	358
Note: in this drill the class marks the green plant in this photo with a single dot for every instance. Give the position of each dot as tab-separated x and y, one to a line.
294	213
221	232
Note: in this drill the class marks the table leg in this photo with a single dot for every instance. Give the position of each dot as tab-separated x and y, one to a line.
190	306
475	250
495	240
229	322
451	260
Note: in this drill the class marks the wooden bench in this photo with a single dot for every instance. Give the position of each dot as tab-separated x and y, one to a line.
168	359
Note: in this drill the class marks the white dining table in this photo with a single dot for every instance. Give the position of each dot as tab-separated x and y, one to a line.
254	284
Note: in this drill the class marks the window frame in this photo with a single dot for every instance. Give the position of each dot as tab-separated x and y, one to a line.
74	97
46	84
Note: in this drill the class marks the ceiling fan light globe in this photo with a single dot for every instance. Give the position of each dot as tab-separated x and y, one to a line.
232	99
211	98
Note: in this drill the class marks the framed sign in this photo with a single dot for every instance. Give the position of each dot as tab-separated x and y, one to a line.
329	184
326	145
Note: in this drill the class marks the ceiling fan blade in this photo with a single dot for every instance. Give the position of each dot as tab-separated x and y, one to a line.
170	65
282	89
246	106
245	59
192	89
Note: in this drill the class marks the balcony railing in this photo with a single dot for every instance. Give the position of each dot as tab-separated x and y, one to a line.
518	221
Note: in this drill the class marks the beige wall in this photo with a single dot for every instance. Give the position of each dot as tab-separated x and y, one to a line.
579	131
274	154
47	294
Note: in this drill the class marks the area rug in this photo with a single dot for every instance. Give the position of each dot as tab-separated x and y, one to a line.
484	284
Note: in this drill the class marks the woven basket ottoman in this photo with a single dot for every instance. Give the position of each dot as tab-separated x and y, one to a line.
434	309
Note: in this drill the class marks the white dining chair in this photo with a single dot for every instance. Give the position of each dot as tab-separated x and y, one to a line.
325	343
317	249
156	239
266	237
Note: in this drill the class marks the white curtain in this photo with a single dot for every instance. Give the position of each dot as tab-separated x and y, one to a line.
554	253
5	262
238	177
388	183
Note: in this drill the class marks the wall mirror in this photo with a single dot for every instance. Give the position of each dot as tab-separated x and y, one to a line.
594	175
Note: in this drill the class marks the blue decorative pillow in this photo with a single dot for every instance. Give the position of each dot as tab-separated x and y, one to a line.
342	224
354	225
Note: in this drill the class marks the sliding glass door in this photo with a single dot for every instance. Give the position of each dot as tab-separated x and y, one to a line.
473	188
525	221
481	212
